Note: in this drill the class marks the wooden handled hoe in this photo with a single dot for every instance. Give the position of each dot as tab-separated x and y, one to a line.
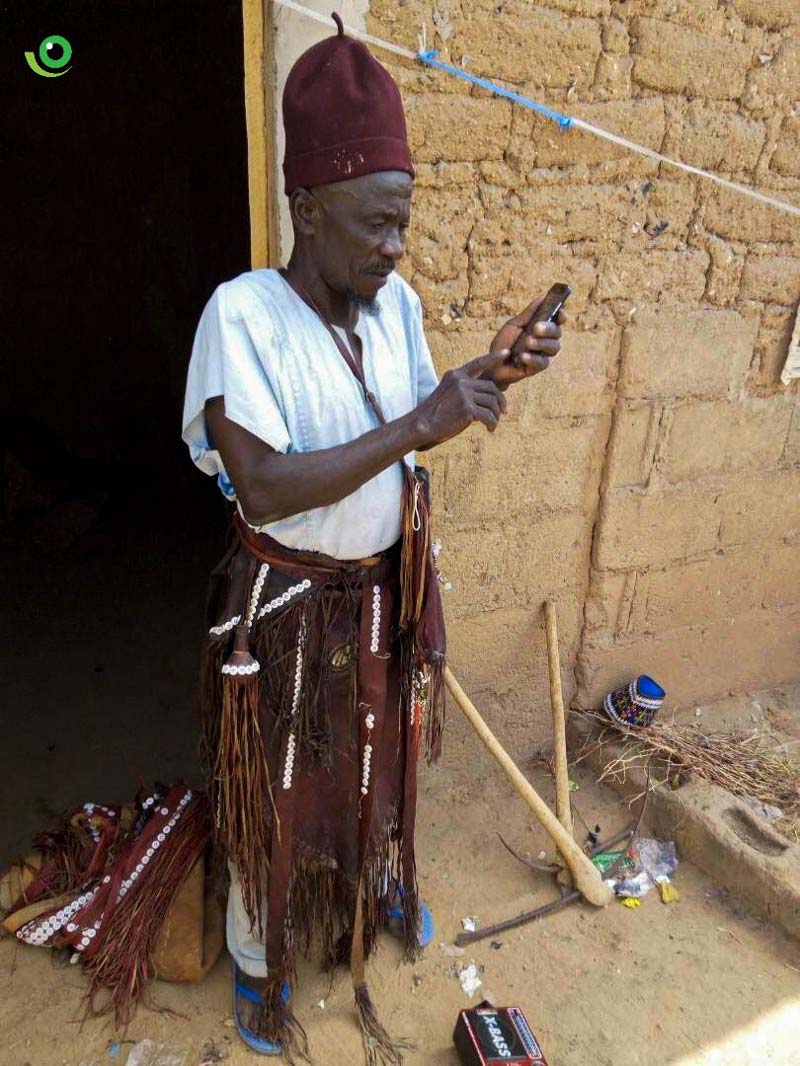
586	878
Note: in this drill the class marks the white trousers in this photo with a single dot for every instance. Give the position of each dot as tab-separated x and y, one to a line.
248	952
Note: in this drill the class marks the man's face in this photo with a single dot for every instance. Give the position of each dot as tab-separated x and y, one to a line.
359	232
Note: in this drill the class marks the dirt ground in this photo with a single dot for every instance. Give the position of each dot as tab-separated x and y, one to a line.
101	700
656	985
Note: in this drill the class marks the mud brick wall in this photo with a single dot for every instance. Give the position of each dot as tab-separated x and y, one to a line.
649	481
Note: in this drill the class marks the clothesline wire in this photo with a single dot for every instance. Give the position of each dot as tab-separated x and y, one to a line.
429	58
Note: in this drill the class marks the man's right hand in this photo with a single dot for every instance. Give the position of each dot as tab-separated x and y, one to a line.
461	398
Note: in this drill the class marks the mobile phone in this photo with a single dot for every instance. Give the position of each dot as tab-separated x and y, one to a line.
547	311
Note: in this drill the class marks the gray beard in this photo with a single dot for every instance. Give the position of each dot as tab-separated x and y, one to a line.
367	307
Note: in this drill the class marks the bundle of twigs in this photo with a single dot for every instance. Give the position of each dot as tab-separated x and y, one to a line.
746	764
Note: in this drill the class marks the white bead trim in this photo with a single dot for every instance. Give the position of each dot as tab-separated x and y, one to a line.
279	601
649	703
376	619
131	879
253	668
258	588
366	756
226	627
39	932
288	768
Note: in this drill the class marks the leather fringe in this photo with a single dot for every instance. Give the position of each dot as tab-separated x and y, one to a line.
379	1048
274	1019
323	902
434	726
412	923
121	969
275	643
240	785
415	524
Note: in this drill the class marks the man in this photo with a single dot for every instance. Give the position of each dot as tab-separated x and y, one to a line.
309	392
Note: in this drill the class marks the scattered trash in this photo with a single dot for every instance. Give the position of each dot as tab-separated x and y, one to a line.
470	924
229	1023
451	951
669	893
152	1053
697	712
653	861
210	1054
542	856
607	859
321	1004
657	229
113	1050
763	810
469	979
631	902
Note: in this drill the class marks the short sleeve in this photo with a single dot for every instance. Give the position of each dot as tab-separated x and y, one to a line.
230	357
427	379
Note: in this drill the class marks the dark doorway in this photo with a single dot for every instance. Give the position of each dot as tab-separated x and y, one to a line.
125	204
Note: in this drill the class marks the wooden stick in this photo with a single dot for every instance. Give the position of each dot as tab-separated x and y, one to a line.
563	812
586	877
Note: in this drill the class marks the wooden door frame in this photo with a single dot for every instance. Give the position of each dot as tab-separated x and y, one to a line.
259	95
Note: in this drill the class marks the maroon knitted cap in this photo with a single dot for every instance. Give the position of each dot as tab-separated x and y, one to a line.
342	114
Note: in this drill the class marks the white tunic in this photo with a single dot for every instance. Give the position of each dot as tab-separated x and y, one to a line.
268	354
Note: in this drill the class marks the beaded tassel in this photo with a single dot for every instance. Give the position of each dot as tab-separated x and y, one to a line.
241	774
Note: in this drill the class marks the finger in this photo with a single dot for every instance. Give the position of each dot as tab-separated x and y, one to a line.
483	388
489	418
490	361
546	347
497	404
535	362
546	329
562	317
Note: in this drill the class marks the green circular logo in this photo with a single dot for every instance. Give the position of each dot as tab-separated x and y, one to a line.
55	52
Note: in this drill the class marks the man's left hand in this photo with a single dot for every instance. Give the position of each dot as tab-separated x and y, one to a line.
542	345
